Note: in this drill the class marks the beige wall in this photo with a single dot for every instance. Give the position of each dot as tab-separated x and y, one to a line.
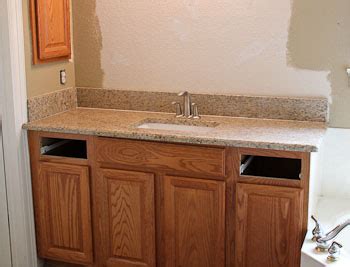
44	78
205	46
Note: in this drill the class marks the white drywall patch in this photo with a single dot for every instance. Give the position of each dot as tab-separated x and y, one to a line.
224	46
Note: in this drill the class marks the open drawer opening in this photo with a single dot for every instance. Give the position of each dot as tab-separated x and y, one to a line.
68	148
270	167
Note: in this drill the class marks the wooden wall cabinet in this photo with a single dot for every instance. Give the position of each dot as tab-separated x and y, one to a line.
50	25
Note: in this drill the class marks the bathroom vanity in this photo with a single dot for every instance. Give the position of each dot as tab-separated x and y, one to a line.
109	193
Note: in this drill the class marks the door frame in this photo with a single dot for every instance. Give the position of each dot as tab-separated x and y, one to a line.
14	114
5	247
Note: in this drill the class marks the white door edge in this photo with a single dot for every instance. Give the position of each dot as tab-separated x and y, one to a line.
5	248
14	114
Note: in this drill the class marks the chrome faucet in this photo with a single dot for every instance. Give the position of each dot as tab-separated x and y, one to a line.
186	104
189	110
317	232
334	251
323	241
333	233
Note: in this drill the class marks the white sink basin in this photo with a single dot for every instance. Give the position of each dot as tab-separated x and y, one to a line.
176	127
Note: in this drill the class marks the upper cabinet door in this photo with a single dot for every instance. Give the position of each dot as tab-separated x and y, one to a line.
50	30
268	226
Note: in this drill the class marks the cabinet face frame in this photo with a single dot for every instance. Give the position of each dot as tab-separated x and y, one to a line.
42	49
296	183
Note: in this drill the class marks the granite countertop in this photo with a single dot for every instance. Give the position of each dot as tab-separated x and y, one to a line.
227	131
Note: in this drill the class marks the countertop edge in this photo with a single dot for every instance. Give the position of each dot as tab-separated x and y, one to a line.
178	139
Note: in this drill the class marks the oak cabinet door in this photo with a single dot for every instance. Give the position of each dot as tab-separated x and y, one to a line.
62	209
126	203
194	222
51	30
268	226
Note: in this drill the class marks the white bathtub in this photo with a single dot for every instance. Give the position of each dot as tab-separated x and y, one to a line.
330	212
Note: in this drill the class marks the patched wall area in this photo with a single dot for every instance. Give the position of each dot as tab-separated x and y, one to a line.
319	40
221	47
87	44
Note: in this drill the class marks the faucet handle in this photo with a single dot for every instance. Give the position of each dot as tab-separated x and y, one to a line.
195	113
334	251
317	232
178	109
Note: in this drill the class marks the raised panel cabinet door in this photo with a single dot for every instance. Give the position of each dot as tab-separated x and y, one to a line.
63	216
126	201
53	28
268	226
194	222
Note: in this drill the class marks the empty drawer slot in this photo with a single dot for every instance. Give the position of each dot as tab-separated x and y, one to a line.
271	167
63	148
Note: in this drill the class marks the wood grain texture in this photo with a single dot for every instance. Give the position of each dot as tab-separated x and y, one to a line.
128	218
63	209
50	25
268	226
194	222
171	158
305	185
161	204
63	195
271	153
230	208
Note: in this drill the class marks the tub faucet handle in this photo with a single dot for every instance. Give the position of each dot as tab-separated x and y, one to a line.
317	232
334	251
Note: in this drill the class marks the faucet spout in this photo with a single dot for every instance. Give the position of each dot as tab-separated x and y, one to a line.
333	233
186	104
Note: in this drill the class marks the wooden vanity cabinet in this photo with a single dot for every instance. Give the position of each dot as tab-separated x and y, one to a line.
128	203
